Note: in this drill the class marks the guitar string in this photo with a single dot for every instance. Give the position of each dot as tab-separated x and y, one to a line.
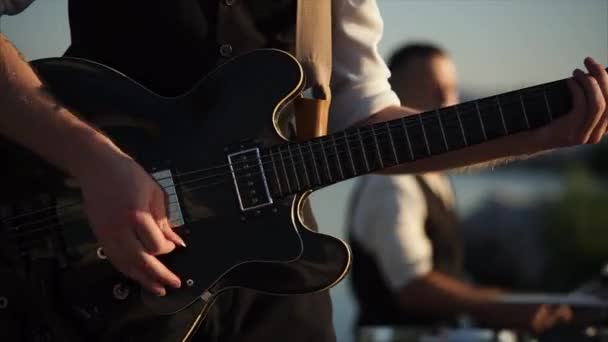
414	120
281	193
292	164
25	231
409	122
68	221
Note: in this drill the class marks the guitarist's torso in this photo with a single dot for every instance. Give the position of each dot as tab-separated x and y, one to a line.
233	195
172	45
168	49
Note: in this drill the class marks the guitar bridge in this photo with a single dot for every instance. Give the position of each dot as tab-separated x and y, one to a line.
249	179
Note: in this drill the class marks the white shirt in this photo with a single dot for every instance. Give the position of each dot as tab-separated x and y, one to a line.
388	221
359	84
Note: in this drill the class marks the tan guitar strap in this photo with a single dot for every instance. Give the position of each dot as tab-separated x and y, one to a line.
313	50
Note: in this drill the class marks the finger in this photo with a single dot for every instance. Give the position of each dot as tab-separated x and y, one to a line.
599	73
599	131
159	212
157	270
548	316
148	282
593	103
564	313
578	108
601	76
141	262
539	320
122	252
149	233
123	261
171	235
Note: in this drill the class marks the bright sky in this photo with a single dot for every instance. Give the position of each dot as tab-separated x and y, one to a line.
506	43
497	44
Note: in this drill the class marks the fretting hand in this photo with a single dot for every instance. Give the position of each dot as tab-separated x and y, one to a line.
587	121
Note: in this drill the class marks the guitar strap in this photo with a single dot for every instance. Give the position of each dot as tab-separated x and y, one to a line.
313	51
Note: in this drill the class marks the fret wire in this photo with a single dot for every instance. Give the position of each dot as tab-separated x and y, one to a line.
326	161
464	137
284	169
350	154
293	165
483	128
407	137
304	164
363	149
445	141
377	147
390	136
337	157
547	103
521	100
276	172
502	117
428	148
314	162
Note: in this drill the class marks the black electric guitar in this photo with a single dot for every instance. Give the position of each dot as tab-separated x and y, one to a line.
235	185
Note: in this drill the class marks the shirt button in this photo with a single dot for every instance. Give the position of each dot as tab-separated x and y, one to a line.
3	302
226	50
229	2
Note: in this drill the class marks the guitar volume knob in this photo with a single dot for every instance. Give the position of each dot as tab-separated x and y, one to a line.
120	291
101	254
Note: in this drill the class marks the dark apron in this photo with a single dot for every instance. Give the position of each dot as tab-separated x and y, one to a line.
376	300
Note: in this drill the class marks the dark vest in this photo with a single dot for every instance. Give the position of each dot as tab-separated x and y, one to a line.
169	45
377	302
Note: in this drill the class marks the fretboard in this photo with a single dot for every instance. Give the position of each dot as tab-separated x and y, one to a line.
296	167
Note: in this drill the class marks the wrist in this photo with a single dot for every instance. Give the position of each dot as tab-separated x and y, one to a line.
484	300
90	151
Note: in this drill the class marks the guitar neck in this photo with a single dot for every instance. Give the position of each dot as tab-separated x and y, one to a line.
298	167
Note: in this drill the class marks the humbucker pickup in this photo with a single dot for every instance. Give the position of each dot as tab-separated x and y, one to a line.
249	179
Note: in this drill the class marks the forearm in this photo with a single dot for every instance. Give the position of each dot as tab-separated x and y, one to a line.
30	117
437	293
489	153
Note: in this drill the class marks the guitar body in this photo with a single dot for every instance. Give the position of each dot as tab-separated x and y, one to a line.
188	142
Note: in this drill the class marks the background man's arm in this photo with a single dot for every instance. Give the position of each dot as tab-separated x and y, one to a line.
362	95
438	293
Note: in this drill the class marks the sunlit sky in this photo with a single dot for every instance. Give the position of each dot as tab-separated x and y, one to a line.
497	44
506	43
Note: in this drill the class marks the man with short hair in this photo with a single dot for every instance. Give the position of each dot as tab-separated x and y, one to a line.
405	233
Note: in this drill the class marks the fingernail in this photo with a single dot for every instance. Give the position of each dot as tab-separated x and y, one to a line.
590	60
182	243
161	293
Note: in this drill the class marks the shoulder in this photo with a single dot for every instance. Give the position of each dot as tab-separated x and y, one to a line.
12	7
384	193
402	186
